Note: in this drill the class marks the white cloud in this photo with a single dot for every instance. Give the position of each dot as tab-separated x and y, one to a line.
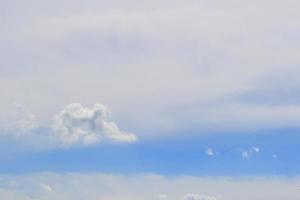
77	124
253	150
95	186
210	152
46	187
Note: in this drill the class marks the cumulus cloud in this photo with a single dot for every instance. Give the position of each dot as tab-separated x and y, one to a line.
78	124
75	124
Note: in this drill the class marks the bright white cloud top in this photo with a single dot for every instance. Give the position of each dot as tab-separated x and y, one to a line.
74	125
77	124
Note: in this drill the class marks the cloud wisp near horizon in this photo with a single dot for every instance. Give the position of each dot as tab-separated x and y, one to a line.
48	186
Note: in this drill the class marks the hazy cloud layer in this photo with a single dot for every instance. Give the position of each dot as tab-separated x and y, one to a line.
20	121
146	187
161	66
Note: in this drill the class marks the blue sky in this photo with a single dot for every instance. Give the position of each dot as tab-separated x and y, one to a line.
177	156
198	100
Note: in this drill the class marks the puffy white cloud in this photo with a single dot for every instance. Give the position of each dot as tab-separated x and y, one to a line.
77	124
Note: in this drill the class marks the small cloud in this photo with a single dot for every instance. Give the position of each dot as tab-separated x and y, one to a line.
253	150
77	124
46	187
22	121
256	149
210	152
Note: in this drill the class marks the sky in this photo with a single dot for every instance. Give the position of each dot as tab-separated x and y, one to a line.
149	100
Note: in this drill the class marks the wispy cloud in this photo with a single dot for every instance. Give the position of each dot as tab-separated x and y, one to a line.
148	187
210	152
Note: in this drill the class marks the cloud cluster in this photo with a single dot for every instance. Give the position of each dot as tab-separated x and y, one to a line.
236	68
253	150
77	124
